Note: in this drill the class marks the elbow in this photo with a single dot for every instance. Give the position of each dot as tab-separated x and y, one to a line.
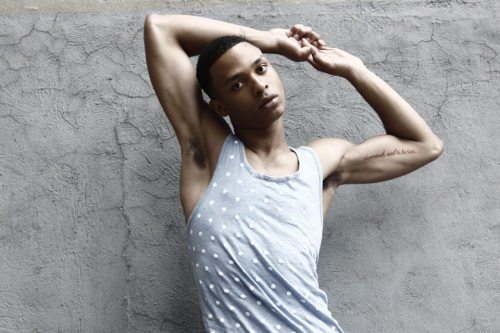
435	148
154	21
158	29
150	20
149	25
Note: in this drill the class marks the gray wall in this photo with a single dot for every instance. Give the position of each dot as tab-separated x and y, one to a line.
92	237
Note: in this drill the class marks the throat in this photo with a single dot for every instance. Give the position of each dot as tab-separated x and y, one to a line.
285	164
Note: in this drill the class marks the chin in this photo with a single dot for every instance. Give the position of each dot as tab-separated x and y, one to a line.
281	107
278	113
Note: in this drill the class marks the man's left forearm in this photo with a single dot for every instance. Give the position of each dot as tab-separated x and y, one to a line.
399	117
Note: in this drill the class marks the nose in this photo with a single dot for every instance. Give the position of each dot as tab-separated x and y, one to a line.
260	87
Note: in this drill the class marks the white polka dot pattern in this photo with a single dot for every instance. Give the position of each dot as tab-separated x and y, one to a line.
254	242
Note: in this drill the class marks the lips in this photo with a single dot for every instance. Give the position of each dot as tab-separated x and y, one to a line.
269	101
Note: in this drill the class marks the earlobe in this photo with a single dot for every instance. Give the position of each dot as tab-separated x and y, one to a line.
217	106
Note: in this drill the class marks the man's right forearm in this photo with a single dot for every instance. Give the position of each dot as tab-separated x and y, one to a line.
192	33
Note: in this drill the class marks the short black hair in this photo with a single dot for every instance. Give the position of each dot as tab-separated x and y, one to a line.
209	55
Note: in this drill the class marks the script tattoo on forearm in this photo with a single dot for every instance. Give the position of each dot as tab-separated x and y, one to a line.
391	153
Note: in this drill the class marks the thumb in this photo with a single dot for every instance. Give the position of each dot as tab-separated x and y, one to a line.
297	49
312	51
306	49
317	57
315	53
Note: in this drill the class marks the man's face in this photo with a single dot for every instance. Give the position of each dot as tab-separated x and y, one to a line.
247	88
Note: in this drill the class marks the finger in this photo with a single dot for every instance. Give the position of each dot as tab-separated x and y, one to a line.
313	63
323	61
312	35
305	53
305	31
310	59
301	28
315	58
307	44
318	43
319	60
302	52
295	32
324	47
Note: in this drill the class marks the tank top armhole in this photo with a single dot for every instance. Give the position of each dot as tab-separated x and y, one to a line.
320	177
225	148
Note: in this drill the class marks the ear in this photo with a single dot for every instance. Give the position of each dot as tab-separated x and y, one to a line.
217	106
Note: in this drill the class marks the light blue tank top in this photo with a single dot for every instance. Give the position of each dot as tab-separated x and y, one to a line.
254	241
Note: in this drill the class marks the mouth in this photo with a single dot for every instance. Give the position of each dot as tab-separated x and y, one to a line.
269	102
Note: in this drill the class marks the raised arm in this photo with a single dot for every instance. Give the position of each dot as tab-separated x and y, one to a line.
408	144
170	40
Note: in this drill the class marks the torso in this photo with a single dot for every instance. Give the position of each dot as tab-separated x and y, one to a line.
248	225
195	176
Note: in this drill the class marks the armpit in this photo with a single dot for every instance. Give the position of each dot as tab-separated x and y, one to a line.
331	183
198	154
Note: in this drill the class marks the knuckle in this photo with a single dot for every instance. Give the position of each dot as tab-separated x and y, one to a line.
312	35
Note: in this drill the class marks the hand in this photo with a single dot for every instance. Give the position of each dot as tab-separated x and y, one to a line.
289	42
333	61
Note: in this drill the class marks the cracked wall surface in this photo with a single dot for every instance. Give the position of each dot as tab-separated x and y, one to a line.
92	237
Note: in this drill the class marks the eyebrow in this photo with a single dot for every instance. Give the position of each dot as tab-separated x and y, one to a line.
237	75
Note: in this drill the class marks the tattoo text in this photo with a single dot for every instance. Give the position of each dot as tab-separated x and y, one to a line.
391	153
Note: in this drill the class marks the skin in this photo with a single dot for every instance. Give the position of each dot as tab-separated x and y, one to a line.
407	145
243	78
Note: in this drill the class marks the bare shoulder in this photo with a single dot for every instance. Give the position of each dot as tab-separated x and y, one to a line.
330	152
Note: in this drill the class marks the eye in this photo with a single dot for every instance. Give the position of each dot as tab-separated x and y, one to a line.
262	68
236	86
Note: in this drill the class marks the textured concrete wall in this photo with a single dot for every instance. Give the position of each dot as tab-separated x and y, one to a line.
92	237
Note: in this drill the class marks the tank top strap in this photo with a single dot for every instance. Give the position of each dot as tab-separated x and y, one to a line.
310	157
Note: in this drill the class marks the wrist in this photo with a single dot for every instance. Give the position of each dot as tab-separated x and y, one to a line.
358	74
272	42
266	41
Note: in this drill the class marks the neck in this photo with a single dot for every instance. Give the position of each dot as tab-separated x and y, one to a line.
266	141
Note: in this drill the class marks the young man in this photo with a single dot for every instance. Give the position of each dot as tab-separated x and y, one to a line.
255	206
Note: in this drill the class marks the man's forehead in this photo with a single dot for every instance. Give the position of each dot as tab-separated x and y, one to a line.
240	55
243	47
